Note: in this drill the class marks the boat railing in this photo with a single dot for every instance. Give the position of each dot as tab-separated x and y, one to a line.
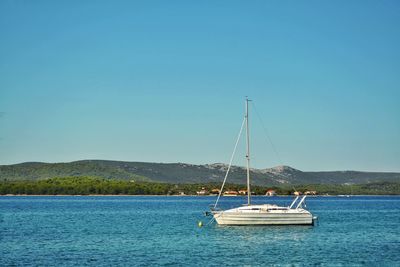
294	201
213	208
299	204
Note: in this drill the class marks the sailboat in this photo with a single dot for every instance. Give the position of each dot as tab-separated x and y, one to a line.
260	214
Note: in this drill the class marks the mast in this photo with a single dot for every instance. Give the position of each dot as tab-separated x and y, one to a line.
248	152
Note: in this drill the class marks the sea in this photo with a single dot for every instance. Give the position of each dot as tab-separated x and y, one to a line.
164	231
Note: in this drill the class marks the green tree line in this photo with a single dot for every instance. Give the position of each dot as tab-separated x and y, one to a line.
98	186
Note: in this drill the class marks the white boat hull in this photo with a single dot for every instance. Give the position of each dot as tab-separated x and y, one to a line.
242	216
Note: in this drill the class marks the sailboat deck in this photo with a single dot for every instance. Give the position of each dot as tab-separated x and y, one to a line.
268	208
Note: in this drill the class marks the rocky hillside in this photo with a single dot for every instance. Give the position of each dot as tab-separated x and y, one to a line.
185	173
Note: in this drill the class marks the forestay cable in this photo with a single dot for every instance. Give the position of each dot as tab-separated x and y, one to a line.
230	162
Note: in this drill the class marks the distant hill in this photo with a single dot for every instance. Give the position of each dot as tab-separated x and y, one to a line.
185	173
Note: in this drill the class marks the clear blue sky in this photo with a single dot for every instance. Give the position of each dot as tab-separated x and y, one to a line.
164	81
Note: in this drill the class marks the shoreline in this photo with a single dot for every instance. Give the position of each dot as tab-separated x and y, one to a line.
95	195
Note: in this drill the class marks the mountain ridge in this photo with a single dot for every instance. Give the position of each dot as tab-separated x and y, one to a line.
186	173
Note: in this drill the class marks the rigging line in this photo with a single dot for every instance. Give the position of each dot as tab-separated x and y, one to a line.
267	135
230	163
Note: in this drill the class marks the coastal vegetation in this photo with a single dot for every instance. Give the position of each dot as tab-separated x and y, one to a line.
89	185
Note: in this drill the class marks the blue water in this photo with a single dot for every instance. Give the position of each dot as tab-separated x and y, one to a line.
148	231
